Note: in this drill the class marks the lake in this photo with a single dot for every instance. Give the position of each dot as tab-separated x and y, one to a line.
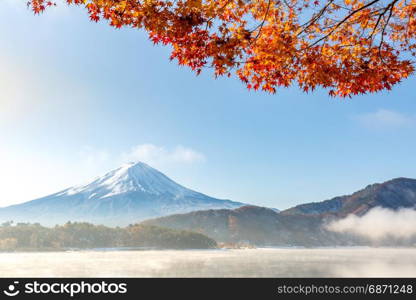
269	262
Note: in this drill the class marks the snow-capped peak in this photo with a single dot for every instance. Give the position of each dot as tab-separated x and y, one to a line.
128	194
130	177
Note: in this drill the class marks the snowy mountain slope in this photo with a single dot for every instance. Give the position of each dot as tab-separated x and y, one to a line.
129	194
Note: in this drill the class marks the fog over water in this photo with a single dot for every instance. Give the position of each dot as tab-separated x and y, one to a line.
379	223
340	262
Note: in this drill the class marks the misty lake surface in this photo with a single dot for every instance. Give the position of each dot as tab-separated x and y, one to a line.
269	262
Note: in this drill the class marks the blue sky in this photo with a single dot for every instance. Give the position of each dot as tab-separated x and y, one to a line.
80	98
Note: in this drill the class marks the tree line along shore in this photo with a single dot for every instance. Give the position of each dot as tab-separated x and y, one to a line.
81	235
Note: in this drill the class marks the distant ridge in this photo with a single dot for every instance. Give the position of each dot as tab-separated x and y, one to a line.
393	194
129	194
303	225
253	225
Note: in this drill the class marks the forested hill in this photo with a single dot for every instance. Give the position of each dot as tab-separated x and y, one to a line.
34	237
393	194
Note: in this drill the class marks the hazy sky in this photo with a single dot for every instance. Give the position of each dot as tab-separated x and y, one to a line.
78	99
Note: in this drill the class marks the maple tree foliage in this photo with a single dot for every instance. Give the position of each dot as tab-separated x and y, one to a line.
349	47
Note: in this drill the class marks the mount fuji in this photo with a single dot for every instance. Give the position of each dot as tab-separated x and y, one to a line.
129	194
